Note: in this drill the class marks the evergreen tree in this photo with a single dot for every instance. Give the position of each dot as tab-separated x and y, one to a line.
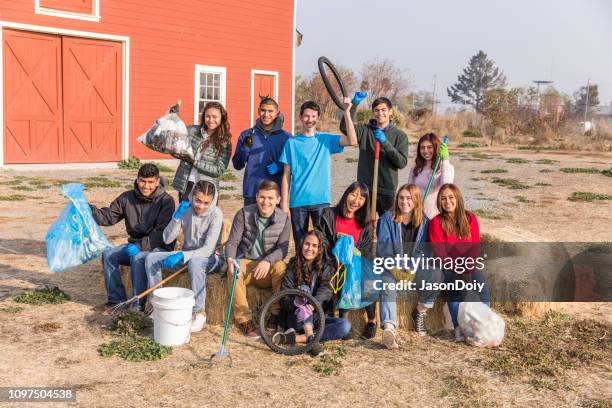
481	75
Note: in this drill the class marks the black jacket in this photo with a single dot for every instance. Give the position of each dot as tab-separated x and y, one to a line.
321	291
327	225
145	217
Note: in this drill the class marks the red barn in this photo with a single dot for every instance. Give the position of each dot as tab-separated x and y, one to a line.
81	79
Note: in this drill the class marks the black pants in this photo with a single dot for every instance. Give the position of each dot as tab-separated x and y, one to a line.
384	203
185	196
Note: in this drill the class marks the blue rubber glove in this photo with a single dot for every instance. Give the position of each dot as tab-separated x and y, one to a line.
181	210
237	266
359	96
272	168
380	136
173	260
131	250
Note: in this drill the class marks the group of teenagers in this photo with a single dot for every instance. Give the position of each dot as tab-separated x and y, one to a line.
287	188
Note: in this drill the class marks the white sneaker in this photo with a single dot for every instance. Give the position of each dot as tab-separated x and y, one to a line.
198	322
459	337
389	339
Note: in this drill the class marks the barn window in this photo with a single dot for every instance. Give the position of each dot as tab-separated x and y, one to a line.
88	10
209	86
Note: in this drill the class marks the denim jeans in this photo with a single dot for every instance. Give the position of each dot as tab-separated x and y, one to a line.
197	268
388	303
300	217
336	328
427	298
455	297
111	259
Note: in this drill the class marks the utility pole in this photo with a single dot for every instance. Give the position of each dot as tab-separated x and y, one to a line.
586	102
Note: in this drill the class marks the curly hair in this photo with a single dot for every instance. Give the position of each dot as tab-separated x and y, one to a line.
221	136
304	269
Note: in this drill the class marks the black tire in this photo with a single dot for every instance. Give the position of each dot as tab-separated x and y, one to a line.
266	335
323	61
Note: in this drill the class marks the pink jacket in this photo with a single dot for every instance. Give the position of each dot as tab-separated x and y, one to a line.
445	174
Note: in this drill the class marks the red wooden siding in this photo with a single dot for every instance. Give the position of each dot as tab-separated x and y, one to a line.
75	6
167	40
32	97
263	85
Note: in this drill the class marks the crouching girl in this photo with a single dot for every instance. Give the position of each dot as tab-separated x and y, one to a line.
309	271
201	221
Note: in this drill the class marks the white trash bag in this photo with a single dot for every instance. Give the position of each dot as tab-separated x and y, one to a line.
480	325
169	135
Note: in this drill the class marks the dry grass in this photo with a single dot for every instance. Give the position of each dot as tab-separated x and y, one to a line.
541	351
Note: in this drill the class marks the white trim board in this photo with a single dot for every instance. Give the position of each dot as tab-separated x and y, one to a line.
95	16
74	33
196	87
263	72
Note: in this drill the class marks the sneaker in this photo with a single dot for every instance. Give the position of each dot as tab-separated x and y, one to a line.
316	348
370	330
272	324
459	337
419	322
198	322
389	339
287	337
249	330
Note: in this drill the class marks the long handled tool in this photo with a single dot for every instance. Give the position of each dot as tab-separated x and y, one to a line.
222	352
123	305
435	169
375	181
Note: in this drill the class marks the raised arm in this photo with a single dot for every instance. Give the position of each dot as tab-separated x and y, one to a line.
350	138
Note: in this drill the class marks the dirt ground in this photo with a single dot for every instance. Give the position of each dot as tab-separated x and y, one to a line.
422	373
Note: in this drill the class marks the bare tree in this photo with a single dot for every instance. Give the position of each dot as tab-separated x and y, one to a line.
383	78
311	88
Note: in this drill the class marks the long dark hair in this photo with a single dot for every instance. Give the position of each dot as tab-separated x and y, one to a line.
221	137
456	224
304	270
420	160
362	214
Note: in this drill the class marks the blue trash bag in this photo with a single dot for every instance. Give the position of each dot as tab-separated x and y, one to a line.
357	289
74	237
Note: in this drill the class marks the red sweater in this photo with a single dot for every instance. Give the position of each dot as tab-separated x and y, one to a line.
454	247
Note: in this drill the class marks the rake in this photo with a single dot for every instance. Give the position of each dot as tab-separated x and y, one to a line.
123	305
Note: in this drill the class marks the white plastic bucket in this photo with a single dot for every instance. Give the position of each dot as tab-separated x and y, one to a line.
172	315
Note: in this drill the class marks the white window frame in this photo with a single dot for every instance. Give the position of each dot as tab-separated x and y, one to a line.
260	71
95	16
199	69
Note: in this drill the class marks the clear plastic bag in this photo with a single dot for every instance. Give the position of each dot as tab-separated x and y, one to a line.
74	237
480	325
169	135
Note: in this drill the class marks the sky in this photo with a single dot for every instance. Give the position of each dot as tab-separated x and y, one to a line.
565	41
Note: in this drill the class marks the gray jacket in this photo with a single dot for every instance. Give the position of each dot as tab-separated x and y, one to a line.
202	232
244	233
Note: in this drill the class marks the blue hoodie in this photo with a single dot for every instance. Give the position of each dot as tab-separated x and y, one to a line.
267	147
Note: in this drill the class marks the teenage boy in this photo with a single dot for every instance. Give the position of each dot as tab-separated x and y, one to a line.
258	242
306	186
146	209
393	150
259	148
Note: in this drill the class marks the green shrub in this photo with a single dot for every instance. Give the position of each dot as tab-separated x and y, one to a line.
135	348
588	197
513	184
472	133
46	295
590	170
517	160
494	171
469	145
132	163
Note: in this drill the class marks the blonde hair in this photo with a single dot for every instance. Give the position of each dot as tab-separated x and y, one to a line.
417	199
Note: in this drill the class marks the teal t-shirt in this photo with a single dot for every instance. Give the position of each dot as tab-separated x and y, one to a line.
310	160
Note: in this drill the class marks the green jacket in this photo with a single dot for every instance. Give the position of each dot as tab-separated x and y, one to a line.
209	166
393	155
